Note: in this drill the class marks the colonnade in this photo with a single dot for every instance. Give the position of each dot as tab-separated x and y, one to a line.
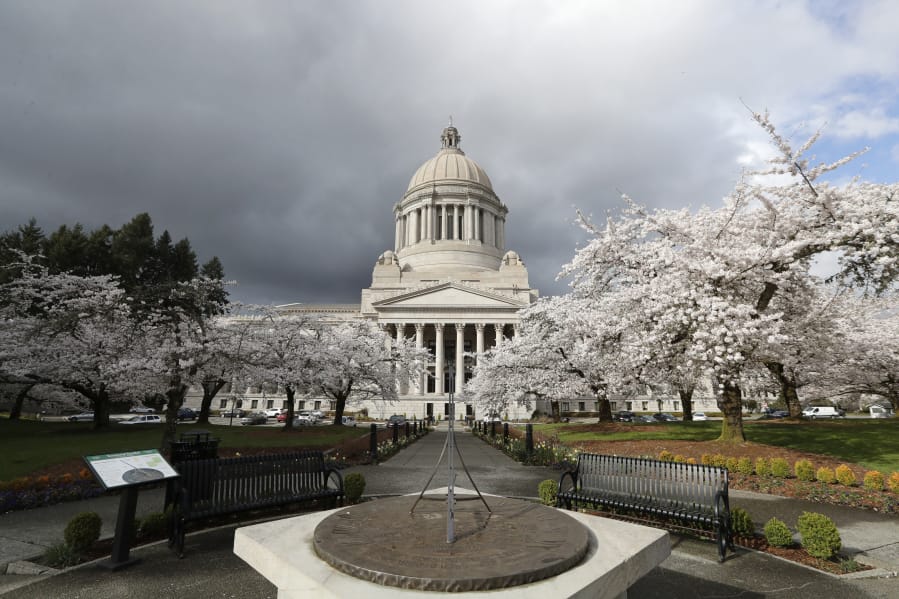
439	336
451	222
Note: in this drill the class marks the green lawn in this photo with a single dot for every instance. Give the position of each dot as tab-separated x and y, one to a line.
872	443
29	445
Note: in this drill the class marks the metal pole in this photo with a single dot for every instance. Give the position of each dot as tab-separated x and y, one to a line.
451	442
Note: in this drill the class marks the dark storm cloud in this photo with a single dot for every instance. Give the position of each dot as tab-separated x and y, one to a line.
278	135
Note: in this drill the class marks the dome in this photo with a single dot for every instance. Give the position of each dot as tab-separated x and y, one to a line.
450	164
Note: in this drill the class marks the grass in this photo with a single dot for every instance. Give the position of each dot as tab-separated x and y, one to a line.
31	445
872	443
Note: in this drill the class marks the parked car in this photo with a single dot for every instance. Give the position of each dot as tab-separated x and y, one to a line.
492	418
186	414
273	412
348	421
311	415
233	413
645	419
142	419
623	416
662	417
141	410
303	420
82	417
318	414
815	412
396	420
282	417
254	418
700	417
775	414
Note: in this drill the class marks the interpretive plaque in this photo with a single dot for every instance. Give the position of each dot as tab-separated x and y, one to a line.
116	470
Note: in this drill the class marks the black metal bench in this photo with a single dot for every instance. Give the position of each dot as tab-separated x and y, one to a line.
694	496
217	487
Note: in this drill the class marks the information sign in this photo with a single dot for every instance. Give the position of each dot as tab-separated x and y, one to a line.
116	470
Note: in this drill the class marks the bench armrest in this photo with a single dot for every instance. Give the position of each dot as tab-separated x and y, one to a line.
571	474
333	473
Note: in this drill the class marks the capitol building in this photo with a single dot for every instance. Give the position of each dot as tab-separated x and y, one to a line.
451	285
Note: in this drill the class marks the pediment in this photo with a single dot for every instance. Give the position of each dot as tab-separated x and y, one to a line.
449	295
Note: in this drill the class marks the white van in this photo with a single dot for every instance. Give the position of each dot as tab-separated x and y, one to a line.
821	412
880	412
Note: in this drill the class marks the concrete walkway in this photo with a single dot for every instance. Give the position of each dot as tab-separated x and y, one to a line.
210	569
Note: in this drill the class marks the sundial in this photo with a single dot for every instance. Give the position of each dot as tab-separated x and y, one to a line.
400	542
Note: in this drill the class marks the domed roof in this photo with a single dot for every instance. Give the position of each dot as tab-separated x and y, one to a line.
450	164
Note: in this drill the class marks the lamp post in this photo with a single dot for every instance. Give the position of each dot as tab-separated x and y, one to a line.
451	447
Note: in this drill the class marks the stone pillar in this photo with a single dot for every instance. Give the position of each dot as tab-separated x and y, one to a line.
499	334
400	379
479	328
419	344
438	357
456	232
477	224
460	357
502	234
443	221
423	223
398	239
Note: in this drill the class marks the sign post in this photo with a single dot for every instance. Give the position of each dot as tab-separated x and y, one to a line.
128	471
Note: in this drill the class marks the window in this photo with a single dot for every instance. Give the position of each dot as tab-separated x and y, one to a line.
581	406
301	405
628	406
318	405
460	229
677	406
254	404
270	404
223	403
283	404
239	403
438	234
449	224
566	407
645	405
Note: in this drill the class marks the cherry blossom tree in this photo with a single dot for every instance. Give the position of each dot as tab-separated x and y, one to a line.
708	280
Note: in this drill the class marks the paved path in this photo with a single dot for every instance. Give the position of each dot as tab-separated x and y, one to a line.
210	569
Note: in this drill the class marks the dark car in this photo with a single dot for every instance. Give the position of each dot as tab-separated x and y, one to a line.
644	419
396	420
233	413
623	416
662	417
776	414
186	414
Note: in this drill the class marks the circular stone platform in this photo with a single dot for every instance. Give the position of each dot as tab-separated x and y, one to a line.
519	543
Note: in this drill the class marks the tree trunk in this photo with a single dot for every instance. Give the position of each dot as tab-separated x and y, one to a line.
174	400
605	407
786	388
16	412
100	404
291	393
210	390
339	408
731	405
555	410
686	400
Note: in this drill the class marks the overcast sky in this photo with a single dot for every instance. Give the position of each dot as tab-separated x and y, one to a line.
278	135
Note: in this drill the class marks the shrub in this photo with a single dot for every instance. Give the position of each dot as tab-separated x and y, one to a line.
731	464
845	475
825	475
61	555
778	533
744	466
804	470
82	531
819	535
719	461
154	525
679	459
873	480
763	467
691	460
893	482
354	486
705	459
741	522
780	468
666	456
547	490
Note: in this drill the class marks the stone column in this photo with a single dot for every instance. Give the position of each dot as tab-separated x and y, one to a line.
398	239
419	344
477	224
460	357
499	334
456	232
400	379
443	221
501	244
438	358
479	328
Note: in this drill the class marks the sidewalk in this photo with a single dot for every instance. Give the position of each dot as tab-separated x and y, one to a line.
210	569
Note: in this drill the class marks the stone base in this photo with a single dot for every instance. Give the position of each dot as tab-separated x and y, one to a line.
283	551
